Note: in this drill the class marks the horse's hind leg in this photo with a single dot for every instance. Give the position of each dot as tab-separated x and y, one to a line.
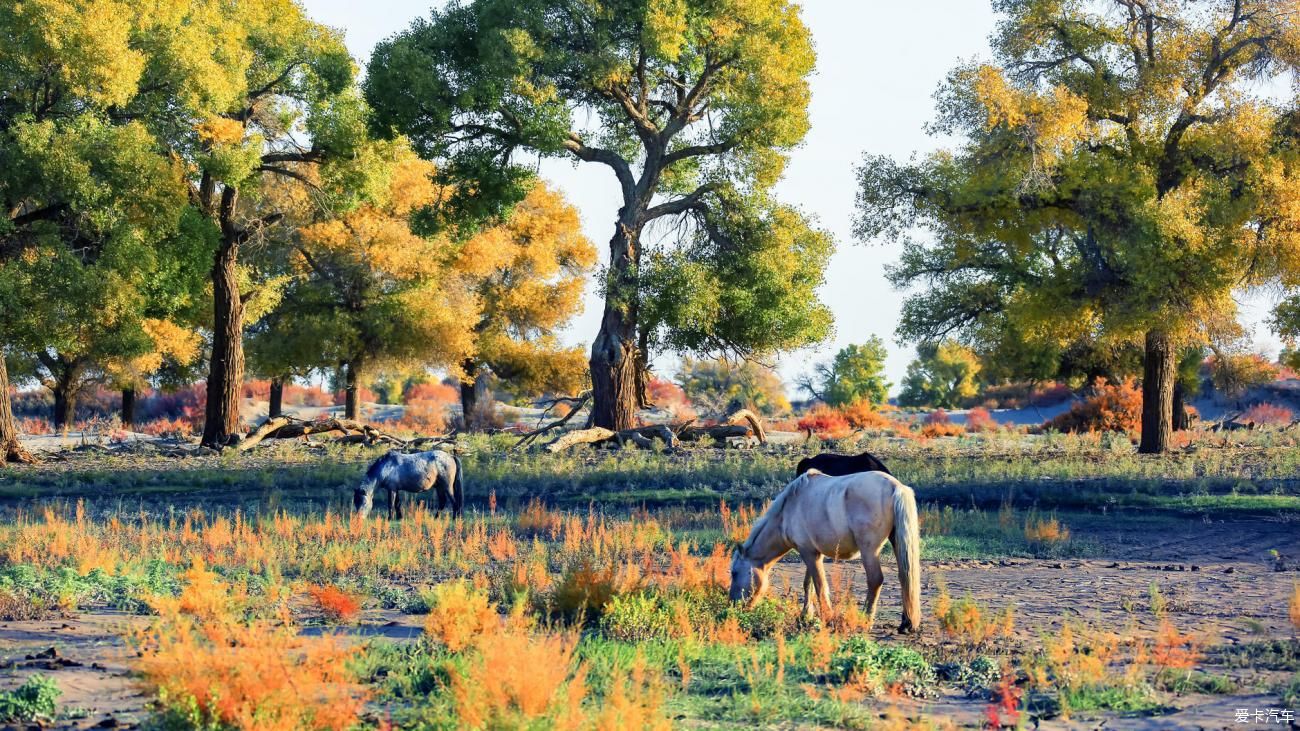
817	578
875	578
392	502
442	499
398	501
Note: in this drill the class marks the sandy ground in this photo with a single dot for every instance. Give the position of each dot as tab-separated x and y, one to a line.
1219	580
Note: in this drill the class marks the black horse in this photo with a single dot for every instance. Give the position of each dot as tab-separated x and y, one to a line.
841	464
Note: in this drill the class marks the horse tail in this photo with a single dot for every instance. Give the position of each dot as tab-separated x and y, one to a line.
457	487
907	546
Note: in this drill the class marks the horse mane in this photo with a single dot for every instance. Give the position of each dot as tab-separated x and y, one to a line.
377	467
773	510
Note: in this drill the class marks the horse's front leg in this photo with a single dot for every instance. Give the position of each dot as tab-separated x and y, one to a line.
816	576
398	501
392	502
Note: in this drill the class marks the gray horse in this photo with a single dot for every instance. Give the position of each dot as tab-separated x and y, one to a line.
397	473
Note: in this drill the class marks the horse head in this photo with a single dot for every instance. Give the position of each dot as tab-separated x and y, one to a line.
748	578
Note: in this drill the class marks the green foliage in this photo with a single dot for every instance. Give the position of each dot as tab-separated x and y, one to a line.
721	386
943	375
32	701
859	657
635	618
857	373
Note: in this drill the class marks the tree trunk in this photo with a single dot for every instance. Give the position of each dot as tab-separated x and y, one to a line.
1160	371
1181	422
474	396
615	386
128	409
11	450
226	370
276	397
350	405
65	406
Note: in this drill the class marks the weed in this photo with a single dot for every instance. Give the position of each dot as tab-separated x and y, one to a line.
860	659
335	604
34	700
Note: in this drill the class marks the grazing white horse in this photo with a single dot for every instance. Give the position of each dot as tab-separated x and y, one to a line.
842	517
419	472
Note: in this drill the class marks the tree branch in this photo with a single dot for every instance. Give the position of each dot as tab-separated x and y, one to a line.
595	154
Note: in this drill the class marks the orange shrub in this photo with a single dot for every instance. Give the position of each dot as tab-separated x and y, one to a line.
458	614
1039	529
334	603
1174	650
1268	415
862	414
825	422
516	680
198	657
1115	407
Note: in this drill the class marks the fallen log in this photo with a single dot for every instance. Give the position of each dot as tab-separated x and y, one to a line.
283	427
594	435
740	423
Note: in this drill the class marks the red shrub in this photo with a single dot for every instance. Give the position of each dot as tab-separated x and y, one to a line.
938	416
256	389
1111	408
826	423
438	392
334	603
979	419
670	397
1268	415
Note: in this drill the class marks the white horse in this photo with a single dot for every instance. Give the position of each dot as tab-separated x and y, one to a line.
841	517
397	473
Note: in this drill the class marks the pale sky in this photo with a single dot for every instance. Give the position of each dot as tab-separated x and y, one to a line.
878	64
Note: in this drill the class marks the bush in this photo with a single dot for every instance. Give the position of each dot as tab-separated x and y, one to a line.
334	603
635	618
1268	415
33	700
211	670
862	414
458	613
978	419
1115	407
825	422
891	665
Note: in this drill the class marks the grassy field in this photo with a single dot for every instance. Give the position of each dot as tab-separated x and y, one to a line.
1065	577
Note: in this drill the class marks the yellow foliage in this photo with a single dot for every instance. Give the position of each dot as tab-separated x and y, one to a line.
459	614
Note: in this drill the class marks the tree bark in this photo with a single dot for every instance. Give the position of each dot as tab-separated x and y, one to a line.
128	409
226	370
1160	371
350	405
276	407
615	360
11	450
